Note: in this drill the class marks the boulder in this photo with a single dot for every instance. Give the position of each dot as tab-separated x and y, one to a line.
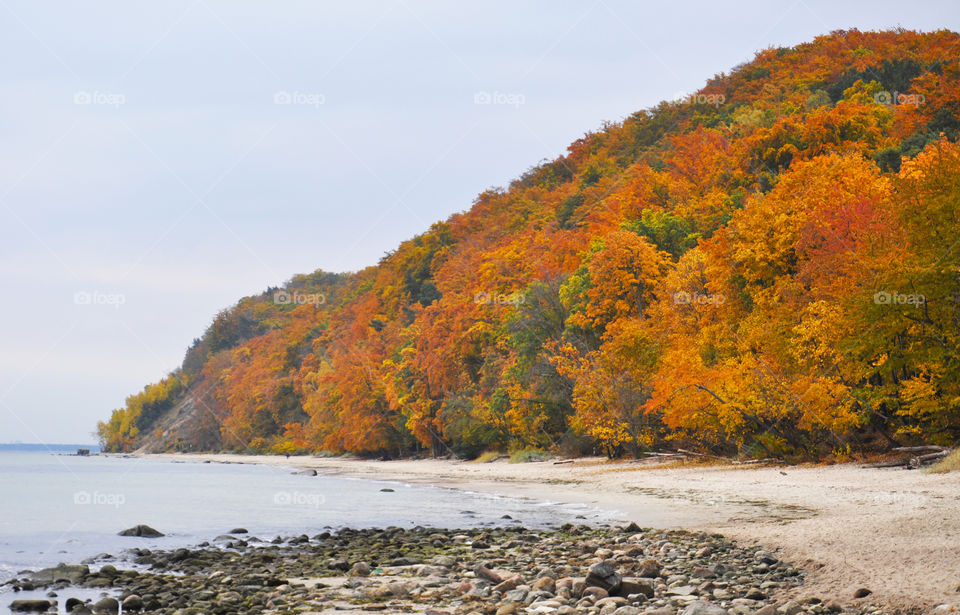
72	603
604	575
863	592
30	606
70	573
239	530
141	531
106	606
132	603
628	587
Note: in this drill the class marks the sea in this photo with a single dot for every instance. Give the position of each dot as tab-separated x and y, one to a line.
56	506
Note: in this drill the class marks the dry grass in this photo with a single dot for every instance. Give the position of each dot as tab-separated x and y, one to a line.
489	457
949	464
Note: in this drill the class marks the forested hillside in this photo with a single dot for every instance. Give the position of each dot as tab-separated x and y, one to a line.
768	267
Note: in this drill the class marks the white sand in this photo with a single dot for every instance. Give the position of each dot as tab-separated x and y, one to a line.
893	531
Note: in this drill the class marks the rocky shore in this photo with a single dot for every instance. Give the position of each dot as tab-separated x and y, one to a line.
503	571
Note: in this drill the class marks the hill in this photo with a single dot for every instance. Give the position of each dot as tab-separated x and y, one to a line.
767	267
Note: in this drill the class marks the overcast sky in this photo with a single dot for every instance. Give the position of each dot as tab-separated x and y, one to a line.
159	160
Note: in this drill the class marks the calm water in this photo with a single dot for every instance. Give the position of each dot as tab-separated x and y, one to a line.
58	508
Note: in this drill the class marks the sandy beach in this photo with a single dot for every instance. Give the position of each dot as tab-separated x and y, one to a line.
892	531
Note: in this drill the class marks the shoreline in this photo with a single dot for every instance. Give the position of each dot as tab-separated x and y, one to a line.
892	531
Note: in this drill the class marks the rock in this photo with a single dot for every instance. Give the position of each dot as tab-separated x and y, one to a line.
507	609
701	572
703	608
632	528
142	531
72	603
485	573
863	592
628	587
106	605
239	530
445	560
766	558
767	610
132	603
790	608
30	606
360	569
597	592
515	595
63	572
603	575
479	544
508	584
108	571
338	564
405	561
755	594
648	568
627	610
545	584
386	490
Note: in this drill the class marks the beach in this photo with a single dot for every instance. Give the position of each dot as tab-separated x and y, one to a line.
893	532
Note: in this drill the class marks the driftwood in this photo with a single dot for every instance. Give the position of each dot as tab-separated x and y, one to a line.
915	462
556	463
919	449
696	454
751	462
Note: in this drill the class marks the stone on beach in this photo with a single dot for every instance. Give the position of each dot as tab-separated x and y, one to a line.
142	531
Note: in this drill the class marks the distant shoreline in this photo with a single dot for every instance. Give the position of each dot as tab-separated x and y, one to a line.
851	527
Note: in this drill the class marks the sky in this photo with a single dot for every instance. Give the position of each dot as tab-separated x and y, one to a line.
160	160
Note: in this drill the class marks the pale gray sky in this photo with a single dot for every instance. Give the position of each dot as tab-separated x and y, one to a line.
159	160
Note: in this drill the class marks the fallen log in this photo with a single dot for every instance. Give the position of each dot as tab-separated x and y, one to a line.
919	449
923	460
696	454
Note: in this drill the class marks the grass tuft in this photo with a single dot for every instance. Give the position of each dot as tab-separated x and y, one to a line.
951	463
529	454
